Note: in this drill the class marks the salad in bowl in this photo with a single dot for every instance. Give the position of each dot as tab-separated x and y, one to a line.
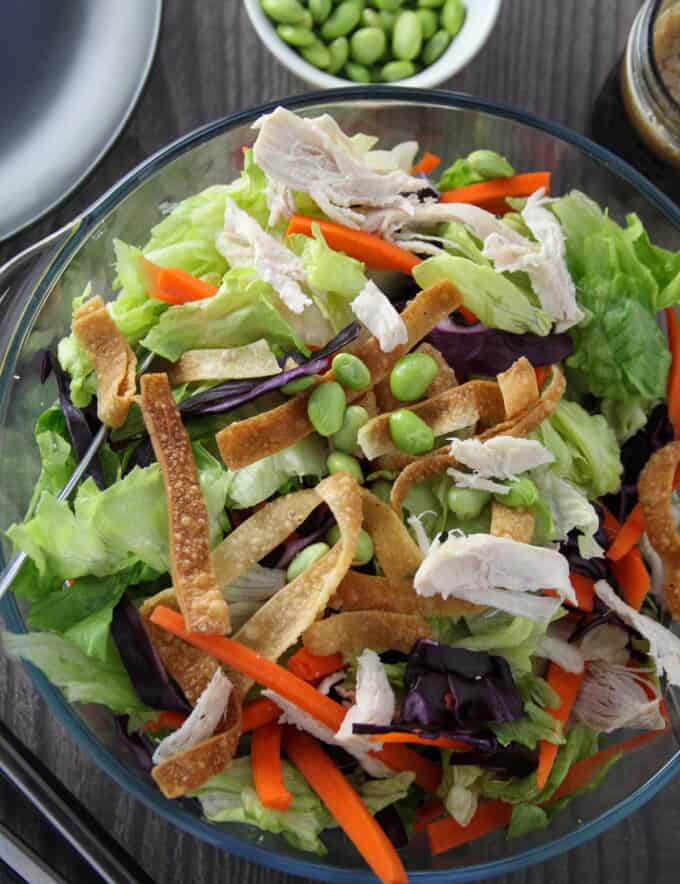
382	533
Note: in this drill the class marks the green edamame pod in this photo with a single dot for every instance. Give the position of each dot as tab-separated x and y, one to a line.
428	22
326	408
357	72
367	45
397	70
305	559
407	37
436	46
382	490
453	16
299	385
350	371
346	437
409	433
338	462
467	503
296	35
430	4
341	21
388	5
364	551
490	164
285	12
370	18
320	10
317	54
411	376
387	20
522	492
339	52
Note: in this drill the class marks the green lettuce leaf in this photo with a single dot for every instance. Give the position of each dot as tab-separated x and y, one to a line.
536	725
527	818
331	271
663	264
480	165
57	465
495	299
133	311
460	240
569	509
76	363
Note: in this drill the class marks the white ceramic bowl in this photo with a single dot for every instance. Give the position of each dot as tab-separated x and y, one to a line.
479	21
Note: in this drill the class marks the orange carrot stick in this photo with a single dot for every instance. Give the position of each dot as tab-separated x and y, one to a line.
427	164
446	834
344	803
165	719
491	195
436	742
629	534
399	757
259	712
542	374
673	328
585	594
632	577
265	760
566	685
311	667
428	813
173	285
467	314
375	252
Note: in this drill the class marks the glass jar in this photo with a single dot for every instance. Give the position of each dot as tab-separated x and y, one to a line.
637	114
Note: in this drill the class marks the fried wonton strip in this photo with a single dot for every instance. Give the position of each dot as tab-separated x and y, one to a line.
357	630
114	362
518	387
395	550
445	377
533	417
260	534
513	522
655	488
193	576
254	360
419	471
364	592
246	441
368	401
188	770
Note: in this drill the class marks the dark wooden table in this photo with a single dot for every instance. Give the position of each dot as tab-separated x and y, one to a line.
548	57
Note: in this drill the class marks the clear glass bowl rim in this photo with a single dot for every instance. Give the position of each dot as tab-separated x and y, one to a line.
144	791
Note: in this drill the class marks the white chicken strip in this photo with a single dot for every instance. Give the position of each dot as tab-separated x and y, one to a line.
315	156
613	696
375	310
502	457
374	701
245	244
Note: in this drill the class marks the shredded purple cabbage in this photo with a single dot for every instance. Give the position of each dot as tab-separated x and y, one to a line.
133	742
476	349
291	548
483	742
143	665
231	394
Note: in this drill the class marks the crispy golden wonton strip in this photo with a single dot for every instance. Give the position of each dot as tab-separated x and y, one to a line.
368	401
518	387
246	441
419	471
445	377
356	630
527	421
193	576
655	488
114	362
364	592
513	522
254	360
395	550
188	770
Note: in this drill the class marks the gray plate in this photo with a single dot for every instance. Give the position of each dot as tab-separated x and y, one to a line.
70	75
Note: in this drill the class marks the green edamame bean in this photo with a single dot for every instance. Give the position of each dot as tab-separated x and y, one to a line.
388	5
436	46
339	52
467	503
351	372
428	22
326	408
409	433
296	35
490	164
285	12
453	16
367	45
382	490
370	18
337	462
387	20
407	37
364	551
317	54
357	72
341	21
299	385
320	10
411	376
397	70
346	437
430	4
522	492
305	559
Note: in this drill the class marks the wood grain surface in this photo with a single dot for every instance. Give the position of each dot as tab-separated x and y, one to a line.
549	57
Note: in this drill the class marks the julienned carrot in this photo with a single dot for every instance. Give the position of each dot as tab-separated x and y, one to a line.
566	685
491	195
427	164
629	534
375	252
585	594
632	577
673	389
467	315
259	712
446	834
542	374
311	667
265	760
166	719
428	813
344	803
436	742
173	285
276	678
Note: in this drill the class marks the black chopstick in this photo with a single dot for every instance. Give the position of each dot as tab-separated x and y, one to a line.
65	813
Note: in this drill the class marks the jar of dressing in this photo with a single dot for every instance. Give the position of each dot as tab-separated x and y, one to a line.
637	114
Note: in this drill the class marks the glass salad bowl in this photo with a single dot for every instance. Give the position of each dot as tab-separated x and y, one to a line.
37	288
